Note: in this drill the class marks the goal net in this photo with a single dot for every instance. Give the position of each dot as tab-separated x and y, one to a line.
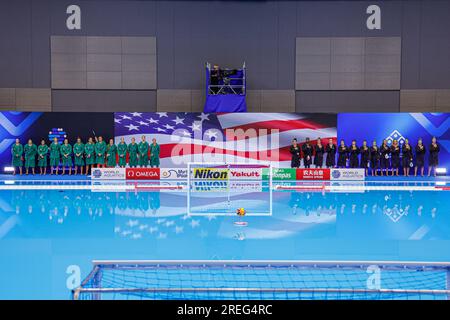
221	188
385	280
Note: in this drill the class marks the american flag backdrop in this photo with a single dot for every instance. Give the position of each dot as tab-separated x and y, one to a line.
228	137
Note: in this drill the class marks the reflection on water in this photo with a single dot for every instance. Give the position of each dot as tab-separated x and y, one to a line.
162	215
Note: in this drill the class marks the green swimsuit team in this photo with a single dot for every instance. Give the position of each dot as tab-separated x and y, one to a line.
84	155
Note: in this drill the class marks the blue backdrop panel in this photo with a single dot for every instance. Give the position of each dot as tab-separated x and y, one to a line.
225	103
398	126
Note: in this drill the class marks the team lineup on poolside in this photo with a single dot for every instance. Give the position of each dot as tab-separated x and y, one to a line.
386	158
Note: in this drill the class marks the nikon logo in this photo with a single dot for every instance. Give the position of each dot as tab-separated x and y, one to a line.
208	173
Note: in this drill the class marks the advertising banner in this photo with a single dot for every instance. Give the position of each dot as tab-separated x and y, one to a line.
313	174
210	173
108	173
173	173
246	173
347	174
280	174
142	174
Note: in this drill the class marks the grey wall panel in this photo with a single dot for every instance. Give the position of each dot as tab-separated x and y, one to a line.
434	44
442	100
103	100
410	77
33	99
382	81
425	100
108	45
7	98
263	33
139	62
347	46
347	101
347	81
107	62
104	80
72	44
287	20
345	19
277	101
138	80
165	26
313	63
313	46
347	63
313	81
382	63
15	44
68	62
40	43
69	79
138	45
383	45
104	62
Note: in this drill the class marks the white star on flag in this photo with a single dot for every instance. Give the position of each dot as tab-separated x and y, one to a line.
117	120
126	117
162	114
168	127
151	120
195	126
204	116
143	123
136	114
178	120
132	127
161	129
211	133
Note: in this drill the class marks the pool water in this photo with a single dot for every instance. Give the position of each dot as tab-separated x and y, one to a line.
50	230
